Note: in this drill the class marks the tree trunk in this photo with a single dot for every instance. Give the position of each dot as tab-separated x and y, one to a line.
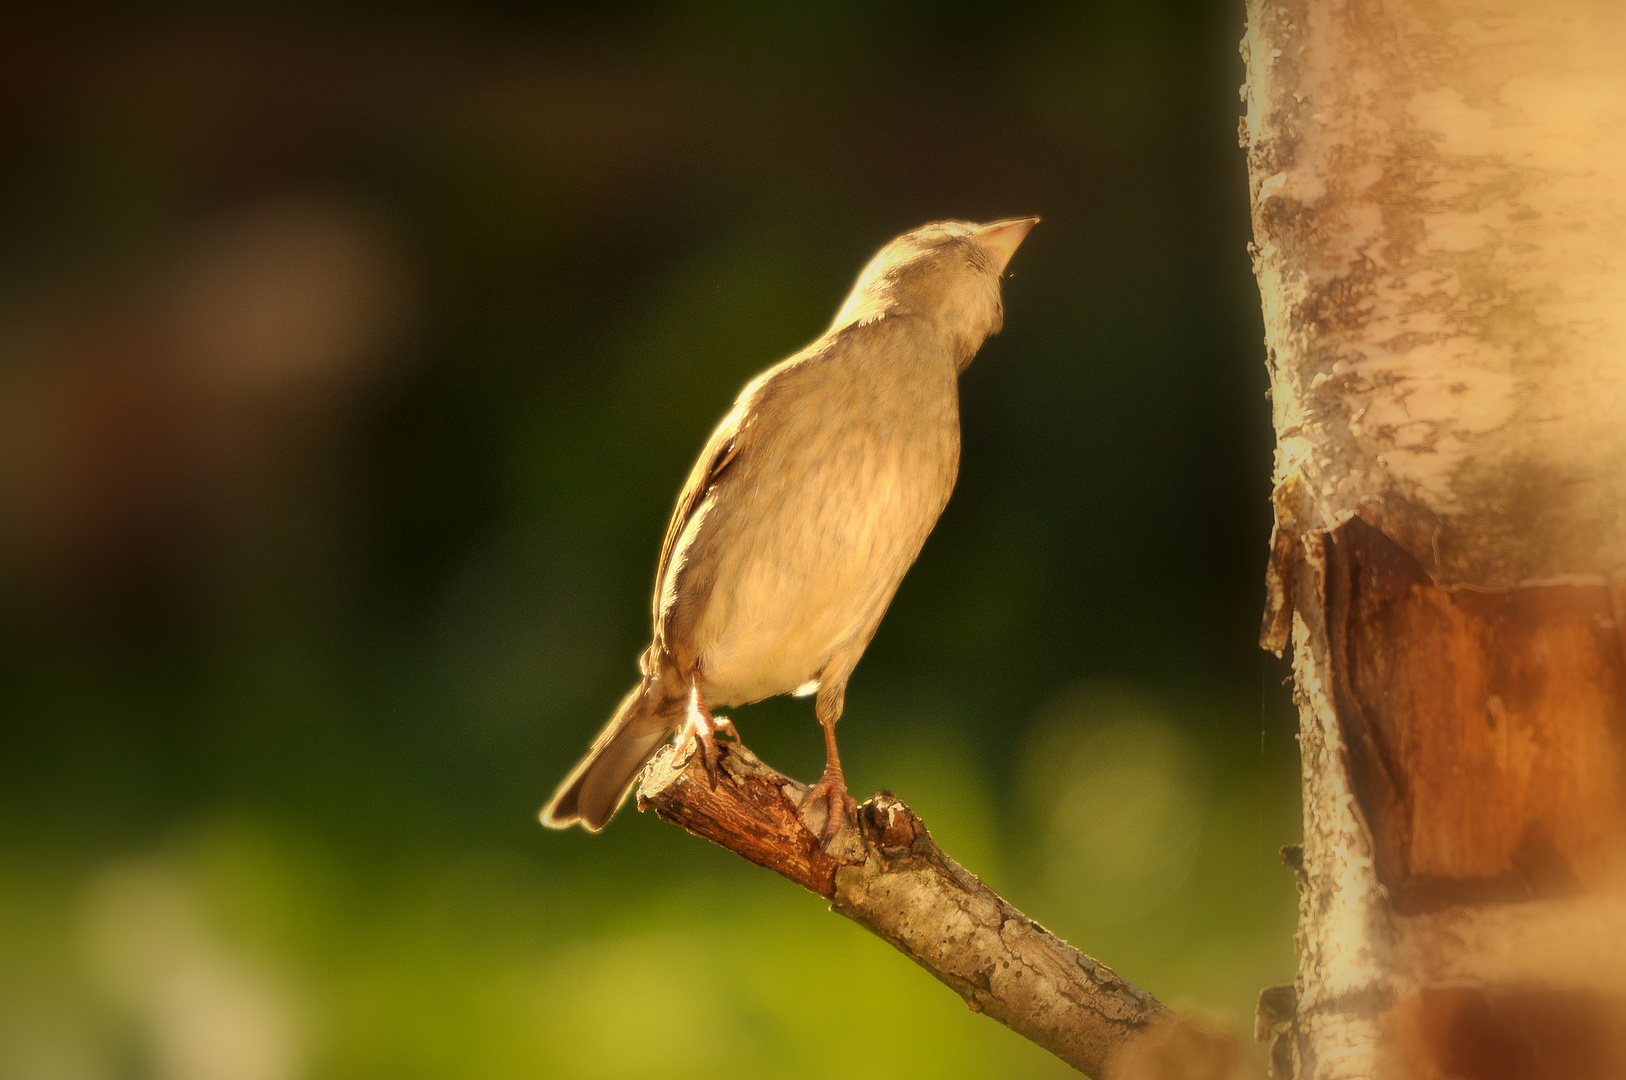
1439	210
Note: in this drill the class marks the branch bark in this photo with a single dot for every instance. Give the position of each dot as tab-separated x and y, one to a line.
889	876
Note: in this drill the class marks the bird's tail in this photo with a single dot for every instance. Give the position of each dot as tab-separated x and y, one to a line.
596	787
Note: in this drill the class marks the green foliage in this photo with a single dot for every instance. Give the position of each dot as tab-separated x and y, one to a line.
348	368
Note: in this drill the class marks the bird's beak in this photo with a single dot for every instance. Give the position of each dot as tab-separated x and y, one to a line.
1004	237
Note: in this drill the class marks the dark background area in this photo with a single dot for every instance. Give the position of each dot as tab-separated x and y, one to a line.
349	365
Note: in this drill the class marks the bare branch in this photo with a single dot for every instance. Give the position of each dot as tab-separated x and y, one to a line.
890	877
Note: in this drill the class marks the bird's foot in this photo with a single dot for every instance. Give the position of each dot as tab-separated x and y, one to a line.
701	728
841	807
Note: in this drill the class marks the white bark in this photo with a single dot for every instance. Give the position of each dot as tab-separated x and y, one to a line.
1438	196
1439	209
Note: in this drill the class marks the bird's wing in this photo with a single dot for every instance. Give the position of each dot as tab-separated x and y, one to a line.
738	433
721	449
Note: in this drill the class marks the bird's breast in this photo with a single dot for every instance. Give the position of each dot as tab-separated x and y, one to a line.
811	539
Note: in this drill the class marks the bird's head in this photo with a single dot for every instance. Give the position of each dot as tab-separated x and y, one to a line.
947	272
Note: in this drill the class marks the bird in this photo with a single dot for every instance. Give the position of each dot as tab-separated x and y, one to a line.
805	509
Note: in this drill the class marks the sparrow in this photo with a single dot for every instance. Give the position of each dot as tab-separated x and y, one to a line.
807	506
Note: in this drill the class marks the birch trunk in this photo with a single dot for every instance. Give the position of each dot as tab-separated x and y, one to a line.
1439	210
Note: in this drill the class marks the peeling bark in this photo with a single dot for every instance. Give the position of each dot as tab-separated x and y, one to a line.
1439	212
889	876
1447	697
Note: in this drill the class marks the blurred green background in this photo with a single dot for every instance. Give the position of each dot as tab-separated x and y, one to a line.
350	361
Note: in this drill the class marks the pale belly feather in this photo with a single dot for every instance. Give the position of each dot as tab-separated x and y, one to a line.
817	565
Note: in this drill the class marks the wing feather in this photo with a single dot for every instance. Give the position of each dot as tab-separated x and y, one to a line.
720	450
734	436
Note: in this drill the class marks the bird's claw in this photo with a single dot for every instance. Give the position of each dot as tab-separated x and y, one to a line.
840	806
702	728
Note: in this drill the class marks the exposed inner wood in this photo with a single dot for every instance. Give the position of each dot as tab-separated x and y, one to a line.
1518	1033
1484	729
